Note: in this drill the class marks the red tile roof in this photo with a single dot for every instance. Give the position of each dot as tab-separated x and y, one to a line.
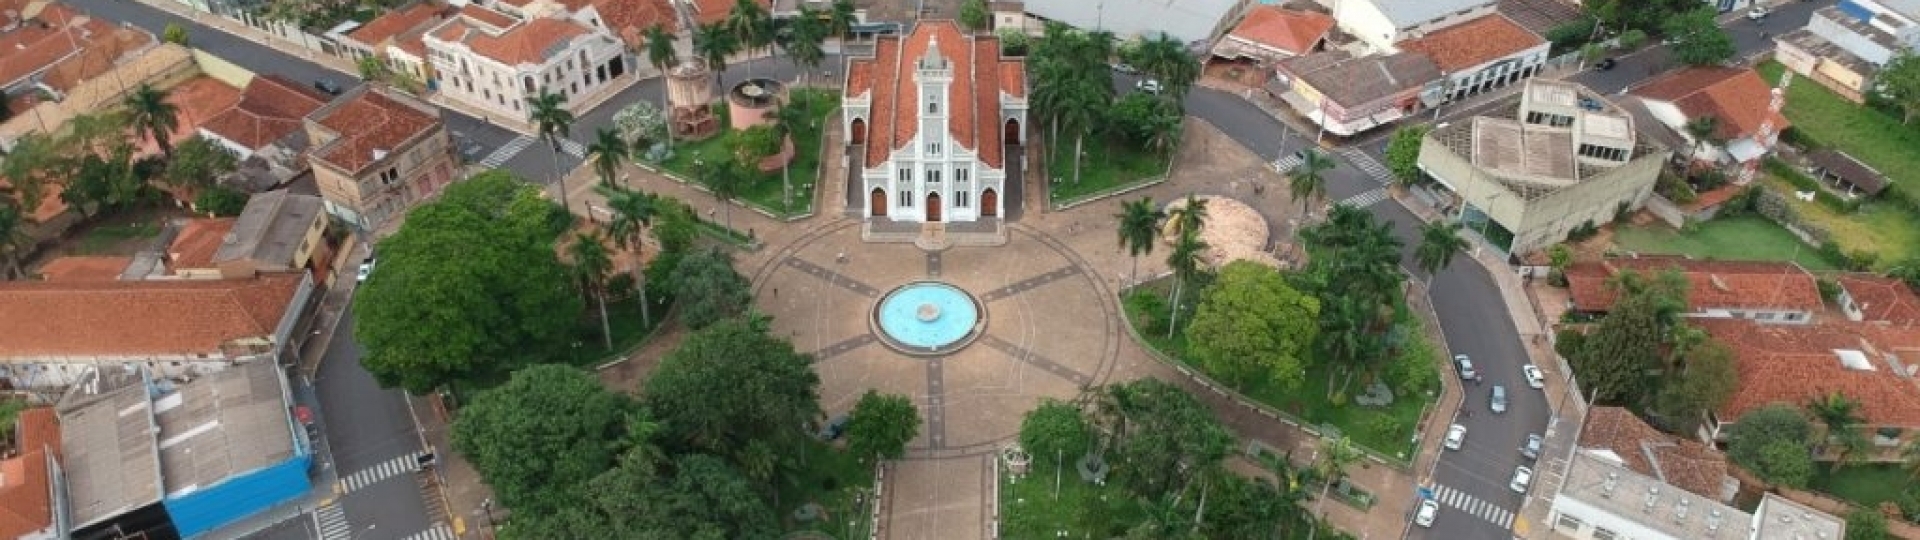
498	20
26	494
1794	364
1883	299
32	47
1295	32
1712	284
530	43
395	22
973	101
105	46
270	108
1474	42
372	122
84	268
197	241
1684	463
1737	97
136	318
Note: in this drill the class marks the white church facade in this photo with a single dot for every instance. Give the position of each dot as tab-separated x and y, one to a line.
929	119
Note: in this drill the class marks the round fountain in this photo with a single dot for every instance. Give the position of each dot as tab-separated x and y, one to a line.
928	318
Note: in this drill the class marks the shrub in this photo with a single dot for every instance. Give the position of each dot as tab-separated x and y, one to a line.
1632	38
1149	312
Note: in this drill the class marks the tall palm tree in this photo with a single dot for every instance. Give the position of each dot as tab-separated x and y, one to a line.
750	25
789	119
1841	416
1440	241
590	266
549	114
633	212
840	20
1190	216
1139	224
1306	183
1169	61
1335	456
807	44
609	151
725	179
1185	262
1083	106
712	43
661	54
152	116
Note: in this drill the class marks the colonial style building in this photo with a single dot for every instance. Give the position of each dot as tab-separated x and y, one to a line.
494	62
1482	54
377	152
931	117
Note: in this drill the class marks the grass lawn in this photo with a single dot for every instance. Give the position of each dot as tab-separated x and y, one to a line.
1865	484
1875	137
1104	168
765	190
106	238
832	479
1749	237
1029	509
589	349
1884	227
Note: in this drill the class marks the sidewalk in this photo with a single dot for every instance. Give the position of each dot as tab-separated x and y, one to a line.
269	39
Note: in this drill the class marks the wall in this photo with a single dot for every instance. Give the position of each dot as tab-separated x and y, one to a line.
222	70
240	496
1549	219
1467	181
1859	45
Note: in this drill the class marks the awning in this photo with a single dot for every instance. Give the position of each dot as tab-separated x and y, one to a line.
1744	150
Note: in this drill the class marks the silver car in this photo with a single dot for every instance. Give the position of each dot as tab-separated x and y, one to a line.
1465	365
1532	448
1499	401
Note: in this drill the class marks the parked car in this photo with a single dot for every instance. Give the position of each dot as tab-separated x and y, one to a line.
1757	13
1499	401
1465	365
1522	477
1456	436
1606	64
1151	86
1429	509
1532	448
835	428
1535	378
327	85
366	269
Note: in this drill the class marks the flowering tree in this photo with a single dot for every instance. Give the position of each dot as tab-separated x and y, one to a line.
641	124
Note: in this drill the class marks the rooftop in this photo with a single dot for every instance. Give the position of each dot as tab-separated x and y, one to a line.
194	247
111	456
141	318
271	230
371	125
26	493
84	268
1615	434
1409	13
394	22
525	42
1296	32
1882	299
1473	43
1362	80
223	424
1539	16
1736	97
1732	285
1850	170
269	110
1599	484
1787	363
46	38
1185	20
981	77
1818	46
1782	519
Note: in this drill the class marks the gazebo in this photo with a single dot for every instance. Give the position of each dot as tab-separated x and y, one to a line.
1847	173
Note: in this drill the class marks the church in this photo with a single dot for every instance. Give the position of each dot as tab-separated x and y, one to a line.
931	119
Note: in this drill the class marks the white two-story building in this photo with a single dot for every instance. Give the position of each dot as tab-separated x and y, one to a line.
494	62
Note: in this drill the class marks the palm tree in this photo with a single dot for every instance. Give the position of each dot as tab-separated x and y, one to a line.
661	55
725	179
807	44
1335	456
1139	224
840	20
1702	131
1190	216
750	24
787	120
590	266
152	116
633	212
712	43
1169	62
1841	415
609	151
1185	262
549	114
1081	107
1306	183
1439	242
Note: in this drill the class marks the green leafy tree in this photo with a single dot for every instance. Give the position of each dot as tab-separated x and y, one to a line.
1698	39
1613	361
730	388
700	497
220	201
709	289
1899	83
1057	429
1187	266
1403	155
175	34
1705	382
197	163
881	426
725	180
591	264
1772	441
1163	437
840	19
1866	523
974	15
1840	415
609	151
552	122
640	124
1252	327
1145	120
548	428
372	69
151	115
1139	227
1702	130
1440	242
1307	183
14	243
103	182
478	266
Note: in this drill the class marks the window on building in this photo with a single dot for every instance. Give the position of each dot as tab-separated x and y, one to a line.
389	176
1601	533
1602	152
528	82
962	198
906	198
933	149
1549	119
906	175
960	175
1569	523
1763	316
933	104
933	177
1792	316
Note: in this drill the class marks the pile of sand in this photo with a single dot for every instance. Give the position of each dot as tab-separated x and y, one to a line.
1233	231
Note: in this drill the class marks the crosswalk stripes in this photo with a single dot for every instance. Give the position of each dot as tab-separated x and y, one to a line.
438	532
506	151
1366	199
332	523
573	148
1474	506
1286	164
387	469
1367	164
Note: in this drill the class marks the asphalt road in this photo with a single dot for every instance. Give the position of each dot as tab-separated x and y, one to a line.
366	426
1749	38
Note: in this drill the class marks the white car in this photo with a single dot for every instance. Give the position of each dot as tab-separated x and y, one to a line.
1465	365
1535	378
1522	477
366	269
1456	436
1428	510
1151	86
1756	13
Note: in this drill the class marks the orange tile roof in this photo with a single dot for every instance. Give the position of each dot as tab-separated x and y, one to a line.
1473	43
1884	299
498	20
1684	463
26	494
138	318
31	48
197	241
1796	363
1295	32
973	108
270	108
372	122
395	22
1712	284
102	50
630	18
530	43
1738	97
413	43
84	268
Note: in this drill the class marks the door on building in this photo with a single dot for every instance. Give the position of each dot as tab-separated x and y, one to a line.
933	207
877	202
990	203
1012	134
857	133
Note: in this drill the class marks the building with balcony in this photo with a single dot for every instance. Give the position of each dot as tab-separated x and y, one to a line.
376	153
1482	54
1346	95
494	63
